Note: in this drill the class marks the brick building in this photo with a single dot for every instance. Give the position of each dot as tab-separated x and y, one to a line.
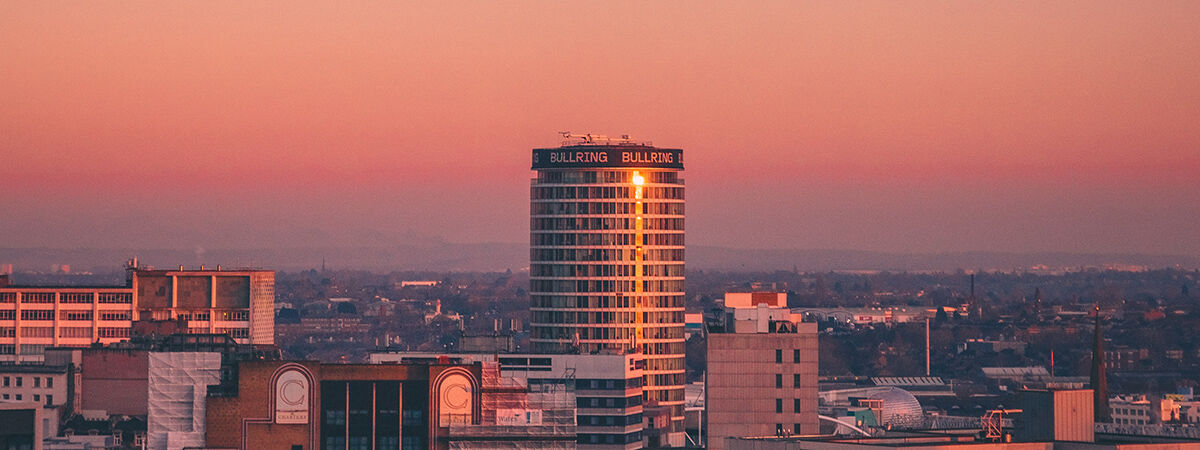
296	405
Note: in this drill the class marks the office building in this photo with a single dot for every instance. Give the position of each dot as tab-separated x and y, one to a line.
239	303
607	260
762	374
607	387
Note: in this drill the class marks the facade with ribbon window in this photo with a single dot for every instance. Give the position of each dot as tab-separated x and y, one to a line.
607	261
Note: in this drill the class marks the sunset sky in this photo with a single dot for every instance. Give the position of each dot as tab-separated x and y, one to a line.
890	126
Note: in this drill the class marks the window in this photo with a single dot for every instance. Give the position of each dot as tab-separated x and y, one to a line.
37	314
113	332
778	380
796	428
49	399
779	405
795	380
37	382
796	355
779	429
37	398
114	316
778	356
18	397
49	382
5	381
19	380
796	405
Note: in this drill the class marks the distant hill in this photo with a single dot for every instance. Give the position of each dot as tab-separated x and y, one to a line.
503	256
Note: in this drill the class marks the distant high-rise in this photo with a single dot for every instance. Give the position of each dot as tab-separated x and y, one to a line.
607	258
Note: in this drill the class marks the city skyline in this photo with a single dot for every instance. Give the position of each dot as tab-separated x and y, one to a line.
934	128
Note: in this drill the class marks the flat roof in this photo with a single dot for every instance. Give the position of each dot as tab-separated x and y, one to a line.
31	368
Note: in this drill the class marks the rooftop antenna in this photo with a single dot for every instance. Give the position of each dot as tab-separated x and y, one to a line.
570	138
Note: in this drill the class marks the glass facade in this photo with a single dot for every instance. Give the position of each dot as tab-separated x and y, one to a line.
607	269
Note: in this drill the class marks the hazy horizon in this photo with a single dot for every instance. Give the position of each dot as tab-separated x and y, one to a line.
925	128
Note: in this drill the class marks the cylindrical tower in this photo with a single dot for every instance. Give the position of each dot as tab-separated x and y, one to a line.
606	261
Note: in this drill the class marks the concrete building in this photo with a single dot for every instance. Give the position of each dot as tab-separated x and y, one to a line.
1064	415
607	259
865	316
23	425
762	375
740	300
239	303
41	384
989	346
288	405
607	388
1143	410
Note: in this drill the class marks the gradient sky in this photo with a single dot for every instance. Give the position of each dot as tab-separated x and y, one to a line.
891	126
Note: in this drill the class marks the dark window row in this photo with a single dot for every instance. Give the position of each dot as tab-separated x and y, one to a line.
605	176
605	192
606	207
568	239
605	285
647	300
605	270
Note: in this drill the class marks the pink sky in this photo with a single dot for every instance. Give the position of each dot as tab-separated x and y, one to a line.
894	126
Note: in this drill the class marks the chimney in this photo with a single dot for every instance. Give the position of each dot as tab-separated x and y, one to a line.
1099	378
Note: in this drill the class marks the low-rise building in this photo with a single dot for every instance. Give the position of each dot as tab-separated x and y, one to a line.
762	374
285	405
608	388
41	384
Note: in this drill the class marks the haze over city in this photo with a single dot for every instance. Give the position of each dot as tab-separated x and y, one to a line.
927	128
620	225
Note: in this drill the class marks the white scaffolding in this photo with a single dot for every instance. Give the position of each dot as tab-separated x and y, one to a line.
516	416
178	386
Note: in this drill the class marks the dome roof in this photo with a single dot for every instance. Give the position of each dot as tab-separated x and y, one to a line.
899	406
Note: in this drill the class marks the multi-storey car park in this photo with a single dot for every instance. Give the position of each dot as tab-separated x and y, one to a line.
607	260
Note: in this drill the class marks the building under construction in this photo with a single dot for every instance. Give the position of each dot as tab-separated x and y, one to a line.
515	415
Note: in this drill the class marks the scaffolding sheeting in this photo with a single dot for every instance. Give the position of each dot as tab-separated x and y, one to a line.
178	384
542	418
